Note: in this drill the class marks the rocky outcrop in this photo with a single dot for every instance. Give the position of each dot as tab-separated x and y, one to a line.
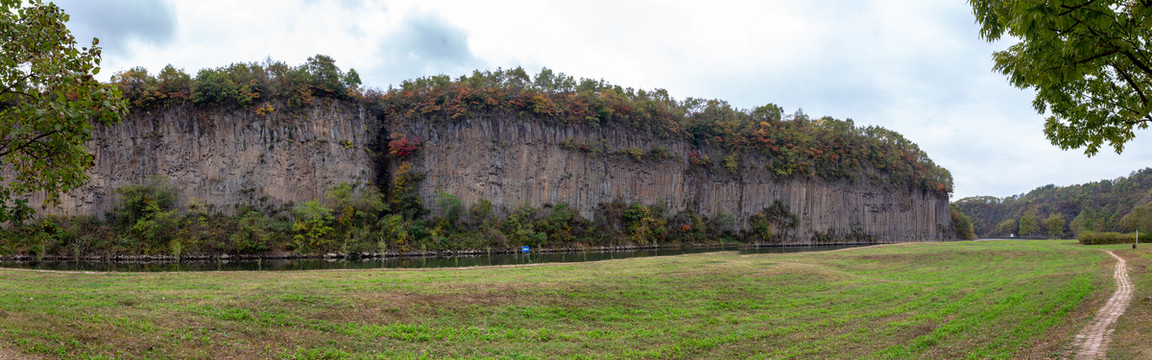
514	163
227	159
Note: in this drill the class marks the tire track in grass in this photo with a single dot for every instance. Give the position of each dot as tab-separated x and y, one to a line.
1092	342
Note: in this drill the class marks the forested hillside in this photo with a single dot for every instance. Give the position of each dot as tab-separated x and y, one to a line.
1121	205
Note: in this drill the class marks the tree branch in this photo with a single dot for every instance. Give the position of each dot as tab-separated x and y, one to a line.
1132	83
1070	9
1094	57
26	144
1136	62
11	89
1147	118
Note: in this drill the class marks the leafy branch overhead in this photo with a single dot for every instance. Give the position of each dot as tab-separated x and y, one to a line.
48	97
1090	62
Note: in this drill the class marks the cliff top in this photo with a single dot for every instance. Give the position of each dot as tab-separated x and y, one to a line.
796	144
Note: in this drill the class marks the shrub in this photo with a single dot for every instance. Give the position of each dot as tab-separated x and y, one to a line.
563	225
1107	237
313	227
402	148
156	227
357	211
356	205
645	224
255	232
138	201
451	208
147	214
481	215
520	228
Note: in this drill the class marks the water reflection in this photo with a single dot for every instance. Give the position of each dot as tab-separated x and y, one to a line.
393	262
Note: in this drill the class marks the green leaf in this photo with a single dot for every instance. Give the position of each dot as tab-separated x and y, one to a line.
57	117
1087	60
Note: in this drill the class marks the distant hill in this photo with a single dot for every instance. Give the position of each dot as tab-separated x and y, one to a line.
1121	204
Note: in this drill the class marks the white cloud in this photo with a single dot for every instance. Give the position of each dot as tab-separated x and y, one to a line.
121	24
424	44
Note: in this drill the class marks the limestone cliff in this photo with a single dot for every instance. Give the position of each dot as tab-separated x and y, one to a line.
225	159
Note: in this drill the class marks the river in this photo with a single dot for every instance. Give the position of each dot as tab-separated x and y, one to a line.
388	262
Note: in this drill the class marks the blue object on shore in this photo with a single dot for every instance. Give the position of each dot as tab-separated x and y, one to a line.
524	249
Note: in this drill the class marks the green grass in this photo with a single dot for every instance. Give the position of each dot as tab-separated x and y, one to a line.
995	299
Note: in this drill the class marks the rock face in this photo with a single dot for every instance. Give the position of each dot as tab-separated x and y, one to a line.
226	159
514	163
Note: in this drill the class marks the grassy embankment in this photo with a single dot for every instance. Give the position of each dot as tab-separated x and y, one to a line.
1001	299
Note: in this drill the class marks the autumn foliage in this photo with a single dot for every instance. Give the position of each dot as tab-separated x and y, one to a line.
240	85
721	135
402	147
796	145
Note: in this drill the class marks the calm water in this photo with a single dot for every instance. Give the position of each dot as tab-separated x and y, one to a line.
393	262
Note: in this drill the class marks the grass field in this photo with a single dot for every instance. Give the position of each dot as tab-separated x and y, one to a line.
993	299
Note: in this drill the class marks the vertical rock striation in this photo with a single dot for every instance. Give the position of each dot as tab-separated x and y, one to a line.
514	163
228	159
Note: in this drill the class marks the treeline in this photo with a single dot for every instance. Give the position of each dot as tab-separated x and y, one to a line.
240	85
795	144
1120	205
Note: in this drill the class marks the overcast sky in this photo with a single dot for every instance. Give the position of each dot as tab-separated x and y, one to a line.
917	67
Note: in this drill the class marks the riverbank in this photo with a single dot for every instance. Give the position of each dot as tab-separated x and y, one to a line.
456	261
150	258
1008	299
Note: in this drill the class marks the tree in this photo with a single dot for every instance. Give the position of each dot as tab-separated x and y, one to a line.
138	202
1055	225
1008	226
213	86
313	226
355	205
48	101
1084	221
450	207
1029	223
1090	63
327	77
961	224
1139	219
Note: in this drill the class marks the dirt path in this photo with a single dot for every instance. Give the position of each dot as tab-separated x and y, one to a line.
1092	342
